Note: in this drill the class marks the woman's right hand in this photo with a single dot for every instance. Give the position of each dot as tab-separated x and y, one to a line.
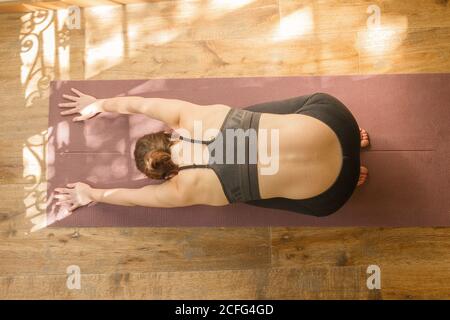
78	194
87	106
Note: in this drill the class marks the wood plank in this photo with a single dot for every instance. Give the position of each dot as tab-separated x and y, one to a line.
197	20
222	284
360	246
17	6
52	5
419	13
327	54
274	283
404	51
90	3
137	250
353	15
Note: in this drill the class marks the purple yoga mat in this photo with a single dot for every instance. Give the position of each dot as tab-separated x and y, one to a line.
407	117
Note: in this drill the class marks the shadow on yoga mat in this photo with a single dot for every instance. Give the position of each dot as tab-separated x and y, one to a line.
406	115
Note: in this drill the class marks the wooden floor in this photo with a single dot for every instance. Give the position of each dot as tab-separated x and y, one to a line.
181	39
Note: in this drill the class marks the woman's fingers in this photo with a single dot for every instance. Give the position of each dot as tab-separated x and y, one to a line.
71	111
68	104
63	190
70	97
67	196
81	118
77	92
73	207
63	202
62	196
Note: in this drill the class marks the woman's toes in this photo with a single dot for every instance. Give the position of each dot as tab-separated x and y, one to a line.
363	172
360	182
364	136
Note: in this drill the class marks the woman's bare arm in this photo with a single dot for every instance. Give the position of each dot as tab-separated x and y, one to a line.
174	112
169	111
166	195
180	191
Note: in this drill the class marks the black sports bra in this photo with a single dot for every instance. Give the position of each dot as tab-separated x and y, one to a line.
239	179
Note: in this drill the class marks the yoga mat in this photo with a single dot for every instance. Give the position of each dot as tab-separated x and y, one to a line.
406	115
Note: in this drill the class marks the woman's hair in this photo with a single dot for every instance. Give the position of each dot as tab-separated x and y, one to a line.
154	148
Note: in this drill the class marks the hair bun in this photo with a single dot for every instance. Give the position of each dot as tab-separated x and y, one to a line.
159	159
153	157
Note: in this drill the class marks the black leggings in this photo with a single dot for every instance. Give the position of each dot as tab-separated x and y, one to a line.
332	112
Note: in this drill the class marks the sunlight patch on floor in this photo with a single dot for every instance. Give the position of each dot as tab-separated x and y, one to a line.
219	8
104	41
34	171
63	52
381	44
37	53
295	25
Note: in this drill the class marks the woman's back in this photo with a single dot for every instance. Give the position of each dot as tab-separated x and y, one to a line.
310	157
304	161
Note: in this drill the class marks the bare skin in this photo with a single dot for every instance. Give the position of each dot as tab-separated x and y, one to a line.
364	136
362	175
312	159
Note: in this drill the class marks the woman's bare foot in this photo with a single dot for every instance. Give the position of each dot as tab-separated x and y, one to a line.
363	172
364	136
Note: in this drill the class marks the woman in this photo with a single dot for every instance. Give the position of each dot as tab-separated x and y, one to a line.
317	154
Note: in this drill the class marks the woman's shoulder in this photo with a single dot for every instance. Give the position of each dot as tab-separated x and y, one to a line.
201	186
206	117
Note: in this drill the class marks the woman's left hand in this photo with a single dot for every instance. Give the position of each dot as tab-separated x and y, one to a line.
78	194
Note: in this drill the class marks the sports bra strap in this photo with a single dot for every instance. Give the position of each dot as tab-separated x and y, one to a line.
194	140
194	166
